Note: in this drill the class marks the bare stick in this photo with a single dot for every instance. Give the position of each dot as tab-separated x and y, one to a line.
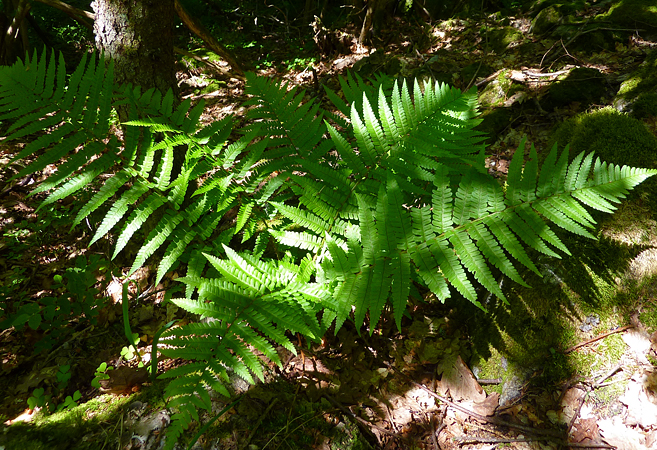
77	14
209	40
597	338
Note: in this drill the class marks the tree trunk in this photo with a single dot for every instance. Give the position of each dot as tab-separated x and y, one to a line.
378	12
13	40
138	36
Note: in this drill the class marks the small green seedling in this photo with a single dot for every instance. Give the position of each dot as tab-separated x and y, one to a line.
70	402
101	374
38	398
128	352
63	375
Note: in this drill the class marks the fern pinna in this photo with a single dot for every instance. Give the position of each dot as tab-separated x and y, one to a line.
366	207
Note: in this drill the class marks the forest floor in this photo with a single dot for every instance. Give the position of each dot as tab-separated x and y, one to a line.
568	363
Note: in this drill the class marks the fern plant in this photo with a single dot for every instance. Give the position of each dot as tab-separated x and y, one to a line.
402	199
139	190
338	216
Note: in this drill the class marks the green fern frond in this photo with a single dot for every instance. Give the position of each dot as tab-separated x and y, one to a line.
155	239
249	311
118	209
137	219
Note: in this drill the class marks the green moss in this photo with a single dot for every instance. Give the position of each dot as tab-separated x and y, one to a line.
642	80
645	105
613	348
71	429
502	38
615	137
610	393
629	85
648	290
491	367
546	20
582	85
627	12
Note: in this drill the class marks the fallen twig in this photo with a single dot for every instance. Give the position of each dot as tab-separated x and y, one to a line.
597	338
464	440
494	420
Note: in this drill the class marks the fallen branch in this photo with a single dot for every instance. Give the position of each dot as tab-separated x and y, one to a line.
554	434
523	76
209	40
79	15
597	338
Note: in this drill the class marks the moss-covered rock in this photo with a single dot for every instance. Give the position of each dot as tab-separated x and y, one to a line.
615	137
546	21
640	83
645	105
641	14
564	7
499	91
503	38
582	85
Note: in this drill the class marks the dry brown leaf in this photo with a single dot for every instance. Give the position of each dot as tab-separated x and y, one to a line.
123	379
488	406
570	404
459	380
586	429
639	342
615	433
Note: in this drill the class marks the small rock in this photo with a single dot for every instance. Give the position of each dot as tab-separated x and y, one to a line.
511	390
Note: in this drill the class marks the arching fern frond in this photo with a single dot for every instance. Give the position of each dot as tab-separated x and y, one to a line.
247	312
427	209
391	199
145	186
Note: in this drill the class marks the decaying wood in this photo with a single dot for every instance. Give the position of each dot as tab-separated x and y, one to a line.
524	76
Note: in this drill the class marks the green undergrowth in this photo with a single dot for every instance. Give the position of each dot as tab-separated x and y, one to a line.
100	417
95	424
608	279
534	332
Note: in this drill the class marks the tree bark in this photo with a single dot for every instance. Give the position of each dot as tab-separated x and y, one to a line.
138	36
